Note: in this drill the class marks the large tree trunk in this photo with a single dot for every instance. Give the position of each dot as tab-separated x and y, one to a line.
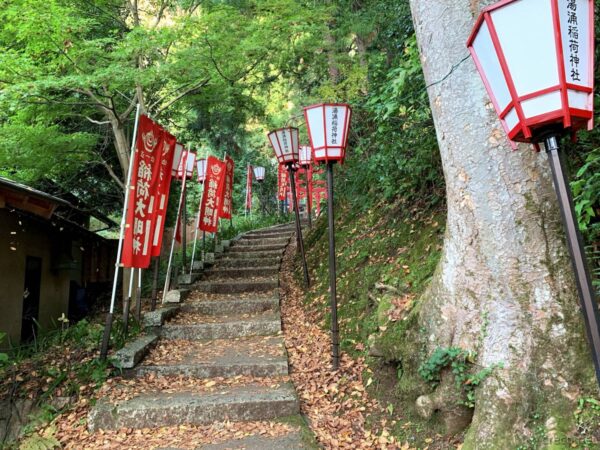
504	285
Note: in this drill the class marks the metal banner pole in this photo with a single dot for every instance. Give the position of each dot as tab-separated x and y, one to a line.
335	339
576	249
127	303
184	234
138	298
299	228
308	201
195	239
109	316
155	283
170	263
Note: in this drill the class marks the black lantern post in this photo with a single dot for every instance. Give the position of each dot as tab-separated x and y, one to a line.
536	106
285	143
328	125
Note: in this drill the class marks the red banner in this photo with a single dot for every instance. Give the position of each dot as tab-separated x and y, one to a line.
282	182
213	195
162	191
145	175
249	189
227	205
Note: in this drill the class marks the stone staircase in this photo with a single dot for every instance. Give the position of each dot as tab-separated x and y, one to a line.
220	358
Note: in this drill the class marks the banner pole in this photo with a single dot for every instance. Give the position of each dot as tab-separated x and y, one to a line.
109	316
170	263
196	233
138	298
155	283
127	303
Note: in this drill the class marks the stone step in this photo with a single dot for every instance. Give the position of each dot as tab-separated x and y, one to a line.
225	327
159	316
256	248
248	262
232	306
250	402
236	287
265	241
252	254
291	441
247	272
268	235
227	358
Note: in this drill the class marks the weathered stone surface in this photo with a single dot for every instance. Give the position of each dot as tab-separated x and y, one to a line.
244	272
249	262
158	409
253	254
188	278
157	317
219	249
265	241
264	324
292	441
226	243
173	296
233	306
130	355
198	266
209	258
254	356
236	287
256	248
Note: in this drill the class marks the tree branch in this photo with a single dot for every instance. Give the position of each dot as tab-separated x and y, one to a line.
189	91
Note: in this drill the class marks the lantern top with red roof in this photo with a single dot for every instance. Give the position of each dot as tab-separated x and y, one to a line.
536	61
328	127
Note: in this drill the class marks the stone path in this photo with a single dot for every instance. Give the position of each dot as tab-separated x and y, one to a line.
220	358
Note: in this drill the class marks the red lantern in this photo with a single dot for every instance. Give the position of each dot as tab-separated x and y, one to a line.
328	125
259	173
305	155
285	143
201	170
536	61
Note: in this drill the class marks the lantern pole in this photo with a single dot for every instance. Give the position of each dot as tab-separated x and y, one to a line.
576	249
298	227
184	232
335	339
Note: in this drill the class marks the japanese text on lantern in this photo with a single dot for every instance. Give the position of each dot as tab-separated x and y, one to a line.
573	32
284	143
334	125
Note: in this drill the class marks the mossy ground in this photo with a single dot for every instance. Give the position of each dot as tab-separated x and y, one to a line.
386	256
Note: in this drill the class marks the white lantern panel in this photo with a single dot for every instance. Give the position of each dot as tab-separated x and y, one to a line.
190	163
335	124
543	104
316	126
526	34
486	54
330	153
177	158
305	155
575	28
511	119
275	143
579	100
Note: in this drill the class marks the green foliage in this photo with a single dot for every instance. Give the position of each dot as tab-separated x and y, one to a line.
41	441
461	363
3	356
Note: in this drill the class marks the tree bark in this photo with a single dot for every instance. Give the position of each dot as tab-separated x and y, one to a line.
504	285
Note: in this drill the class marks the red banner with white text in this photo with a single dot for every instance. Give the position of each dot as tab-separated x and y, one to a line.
137	244
162	191
213	195
227	205
282	182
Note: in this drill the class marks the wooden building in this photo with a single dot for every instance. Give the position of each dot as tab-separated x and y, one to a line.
50	262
